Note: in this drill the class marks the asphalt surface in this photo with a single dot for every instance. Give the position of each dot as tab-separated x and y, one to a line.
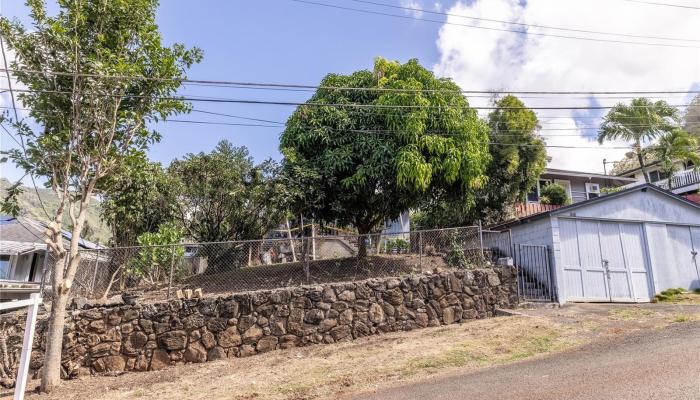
659	364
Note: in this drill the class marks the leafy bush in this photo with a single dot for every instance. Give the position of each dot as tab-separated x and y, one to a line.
554	194
455	253
398	245
159	251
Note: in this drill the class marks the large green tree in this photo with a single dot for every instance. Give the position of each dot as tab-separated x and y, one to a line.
382	147
641	121
224	196
88	70
518	157
138	199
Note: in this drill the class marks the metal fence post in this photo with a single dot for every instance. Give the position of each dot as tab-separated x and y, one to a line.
172	268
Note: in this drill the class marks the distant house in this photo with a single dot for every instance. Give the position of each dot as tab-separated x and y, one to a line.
686	180
23	255
579	185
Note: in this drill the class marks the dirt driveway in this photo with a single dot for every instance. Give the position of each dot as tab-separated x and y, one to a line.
380	362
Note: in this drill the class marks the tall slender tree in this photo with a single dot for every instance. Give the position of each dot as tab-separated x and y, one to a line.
97	74
639	122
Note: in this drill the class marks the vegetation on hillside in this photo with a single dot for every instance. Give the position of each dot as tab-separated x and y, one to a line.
30	206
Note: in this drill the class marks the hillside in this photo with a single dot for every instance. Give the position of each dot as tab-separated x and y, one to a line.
30	207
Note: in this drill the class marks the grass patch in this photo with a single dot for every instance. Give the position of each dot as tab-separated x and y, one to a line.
492	349
678	296
628	314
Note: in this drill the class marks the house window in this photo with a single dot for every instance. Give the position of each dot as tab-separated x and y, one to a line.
655	176
534	195
4	266
592	190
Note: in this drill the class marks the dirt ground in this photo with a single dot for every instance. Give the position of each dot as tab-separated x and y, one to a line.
332	371
292	274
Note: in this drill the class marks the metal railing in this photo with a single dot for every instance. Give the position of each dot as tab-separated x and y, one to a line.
679	180
160	272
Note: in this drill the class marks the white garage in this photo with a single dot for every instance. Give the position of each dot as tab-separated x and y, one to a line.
622	247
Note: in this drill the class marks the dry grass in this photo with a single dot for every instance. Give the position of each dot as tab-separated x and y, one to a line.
367	364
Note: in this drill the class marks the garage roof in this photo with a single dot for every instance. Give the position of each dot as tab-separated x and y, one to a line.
561	210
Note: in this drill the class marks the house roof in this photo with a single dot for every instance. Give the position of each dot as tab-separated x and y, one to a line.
563	172
564	209
21	234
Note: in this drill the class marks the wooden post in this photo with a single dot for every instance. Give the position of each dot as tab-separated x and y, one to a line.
291	241
481	243
313	240
420	249
172	268
94	274
27	344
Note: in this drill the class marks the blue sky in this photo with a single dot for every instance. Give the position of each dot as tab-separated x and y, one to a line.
268	41
282	41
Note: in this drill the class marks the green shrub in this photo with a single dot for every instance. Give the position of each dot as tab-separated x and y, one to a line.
554	194
158	250
455	253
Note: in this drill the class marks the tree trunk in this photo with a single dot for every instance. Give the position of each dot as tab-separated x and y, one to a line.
62	279
51	377
640	158
363	231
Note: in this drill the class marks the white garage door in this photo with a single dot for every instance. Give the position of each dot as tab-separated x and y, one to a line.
685	245
603	261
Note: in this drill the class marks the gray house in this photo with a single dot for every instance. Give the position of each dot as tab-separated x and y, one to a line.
580	185
621	247
23	255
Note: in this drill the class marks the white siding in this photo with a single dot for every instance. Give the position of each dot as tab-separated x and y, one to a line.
649	206
538	232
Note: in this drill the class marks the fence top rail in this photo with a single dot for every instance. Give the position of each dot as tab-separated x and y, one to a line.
544	246
286	239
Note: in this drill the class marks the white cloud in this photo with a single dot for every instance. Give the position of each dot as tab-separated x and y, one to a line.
416	8
490	60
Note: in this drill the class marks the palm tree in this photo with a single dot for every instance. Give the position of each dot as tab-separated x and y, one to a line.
641	121
677	145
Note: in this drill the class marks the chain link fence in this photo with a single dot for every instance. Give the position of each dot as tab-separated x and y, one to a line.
159	272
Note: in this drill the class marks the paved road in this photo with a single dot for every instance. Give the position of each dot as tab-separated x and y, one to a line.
662	364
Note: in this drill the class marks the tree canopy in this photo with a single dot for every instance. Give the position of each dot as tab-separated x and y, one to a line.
139	197
518	157
641	121
223	195
377	152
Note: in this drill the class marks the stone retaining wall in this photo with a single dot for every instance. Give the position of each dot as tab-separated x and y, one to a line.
153	336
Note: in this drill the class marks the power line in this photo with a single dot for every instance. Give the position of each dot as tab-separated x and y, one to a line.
316	87
663	4
523	24
543	121
352	105
494	29
11	135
